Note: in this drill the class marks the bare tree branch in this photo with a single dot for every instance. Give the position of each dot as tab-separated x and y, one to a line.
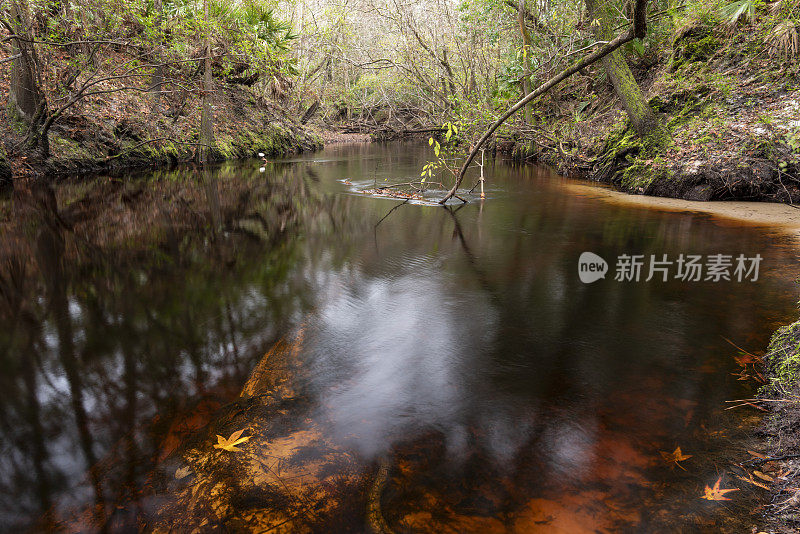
11	58
552	82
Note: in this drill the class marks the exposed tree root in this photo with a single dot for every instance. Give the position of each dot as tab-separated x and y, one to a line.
375	520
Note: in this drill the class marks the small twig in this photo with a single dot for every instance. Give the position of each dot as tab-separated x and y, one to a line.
10	58
759	461
735	345
762	400
757	407
756	356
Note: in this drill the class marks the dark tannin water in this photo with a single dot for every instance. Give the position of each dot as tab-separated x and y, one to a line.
459	343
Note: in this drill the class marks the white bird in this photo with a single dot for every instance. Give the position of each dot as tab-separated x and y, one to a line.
260	154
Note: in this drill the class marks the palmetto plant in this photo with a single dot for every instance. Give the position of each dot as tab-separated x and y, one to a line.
741	10
265	24
250	16
783	40
784	8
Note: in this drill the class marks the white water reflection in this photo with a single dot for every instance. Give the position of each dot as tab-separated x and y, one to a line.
390	357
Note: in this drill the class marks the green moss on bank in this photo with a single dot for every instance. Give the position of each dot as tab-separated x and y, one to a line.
695	42
783	358
116	151
779	432
275	140
631	162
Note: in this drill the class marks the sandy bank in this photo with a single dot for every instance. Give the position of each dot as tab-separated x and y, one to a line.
775	216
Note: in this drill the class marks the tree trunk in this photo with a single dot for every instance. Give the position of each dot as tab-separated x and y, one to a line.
449	71
24	90
27	102
207	118
157	79
526	60
644	121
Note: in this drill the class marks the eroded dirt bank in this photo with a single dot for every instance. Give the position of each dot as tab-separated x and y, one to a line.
120	132
731	111
780	431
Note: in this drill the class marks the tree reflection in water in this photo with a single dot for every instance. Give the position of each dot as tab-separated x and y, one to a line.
127	310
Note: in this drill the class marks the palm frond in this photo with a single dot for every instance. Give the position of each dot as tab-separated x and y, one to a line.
783	40
742	10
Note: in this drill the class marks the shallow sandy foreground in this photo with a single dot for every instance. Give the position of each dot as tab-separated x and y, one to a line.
779	217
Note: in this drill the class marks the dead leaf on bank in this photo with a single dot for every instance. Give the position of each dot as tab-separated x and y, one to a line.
675	457
751	480
763	476
716	493
183	472
230	443
748	358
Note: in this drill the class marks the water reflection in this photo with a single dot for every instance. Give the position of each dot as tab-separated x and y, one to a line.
124	310
458	343
390	357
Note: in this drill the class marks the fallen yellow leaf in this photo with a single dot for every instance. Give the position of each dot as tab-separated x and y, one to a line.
675	457
716	493
230	443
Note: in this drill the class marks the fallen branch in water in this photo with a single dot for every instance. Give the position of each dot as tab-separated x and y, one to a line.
746	403
386	193
638	30
751	402
375	521
391	211
421	185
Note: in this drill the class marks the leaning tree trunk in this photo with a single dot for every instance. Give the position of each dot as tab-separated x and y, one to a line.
639	30
644	121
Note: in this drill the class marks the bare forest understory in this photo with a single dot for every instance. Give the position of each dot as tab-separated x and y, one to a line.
119	132
731	115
